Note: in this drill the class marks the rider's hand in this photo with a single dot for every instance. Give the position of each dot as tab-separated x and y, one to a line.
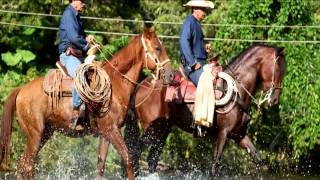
89	39
207	47
197	66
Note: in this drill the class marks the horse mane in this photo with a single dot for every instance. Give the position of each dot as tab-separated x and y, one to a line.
127	51
238	59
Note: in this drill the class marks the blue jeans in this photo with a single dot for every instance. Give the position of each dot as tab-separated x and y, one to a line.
72	63
194	76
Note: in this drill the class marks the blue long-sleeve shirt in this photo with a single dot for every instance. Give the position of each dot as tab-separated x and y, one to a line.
71	31
191	42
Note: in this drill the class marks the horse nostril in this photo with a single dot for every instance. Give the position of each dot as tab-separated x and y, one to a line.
273	102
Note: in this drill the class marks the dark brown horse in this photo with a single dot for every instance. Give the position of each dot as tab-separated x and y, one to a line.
258	66
38	120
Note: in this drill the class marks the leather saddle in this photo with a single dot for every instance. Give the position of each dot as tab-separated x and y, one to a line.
183	90
58	81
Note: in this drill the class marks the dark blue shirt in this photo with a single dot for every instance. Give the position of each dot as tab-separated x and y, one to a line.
191	42
71	31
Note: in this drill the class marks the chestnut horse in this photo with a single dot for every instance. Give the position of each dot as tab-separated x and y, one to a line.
38	120
257	66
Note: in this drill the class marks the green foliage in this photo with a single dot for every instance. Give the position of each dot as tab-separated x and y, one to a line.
19	57
291	131
184	152
298	110
299	107
110	49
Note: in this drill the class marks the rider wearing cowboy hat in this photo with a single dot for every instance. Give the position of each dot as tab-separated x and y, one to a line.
193	50
74	43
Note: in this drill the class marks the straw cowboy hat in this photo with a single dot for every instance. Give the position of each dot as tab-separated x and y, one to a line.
200	3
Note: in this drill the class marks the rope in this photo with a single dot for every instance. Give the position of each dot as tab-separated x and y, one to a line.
173	37
165	22
56	90
97	93
230	106
153	88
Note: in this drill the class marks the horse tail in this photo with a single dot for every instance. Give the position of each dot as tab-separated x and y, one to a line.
6	129
132	131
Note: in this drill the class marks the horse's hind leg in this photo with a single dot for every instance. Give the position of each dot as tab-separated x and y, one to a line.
103	152
37	134
27	160
116	139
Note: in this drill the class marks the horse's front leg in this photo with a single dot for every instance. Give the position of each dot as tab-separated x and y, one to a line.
117	141
218	150
103	152
161	132
246	143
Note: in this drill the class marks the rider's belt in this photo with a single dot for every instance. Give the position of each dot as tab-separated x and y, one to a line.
186	66
74	52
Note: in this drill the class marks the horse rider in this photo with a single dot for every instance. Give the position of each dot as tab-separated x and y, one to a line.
193	50
193	55
73	45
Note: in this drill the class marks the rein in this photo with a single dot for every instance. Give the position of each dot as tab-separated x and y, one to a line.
149	93
159	65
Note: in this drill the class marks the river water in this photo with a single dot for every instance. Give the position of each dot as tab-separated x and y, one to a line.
71	174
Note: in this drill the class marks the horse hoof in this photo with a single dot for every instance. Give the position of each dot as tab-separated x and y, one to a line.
136	173
4	168
79	128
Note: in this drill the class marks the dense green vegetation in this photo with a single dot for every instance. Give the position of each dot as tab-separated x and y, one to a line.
288	136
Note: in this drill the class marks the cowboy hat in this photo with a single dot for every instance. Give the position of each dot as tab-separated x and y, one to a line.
200	3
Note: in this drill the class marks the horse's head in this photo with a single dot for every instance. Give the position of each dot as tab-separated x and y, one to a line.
156	57
272	72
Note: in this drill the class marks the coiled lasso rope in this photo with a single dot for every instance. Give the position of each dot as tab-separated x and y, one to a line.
94	90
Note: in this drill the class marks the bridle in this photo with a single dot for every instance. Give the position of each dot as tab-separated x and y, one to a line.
155	59
156	75
159	65
269	93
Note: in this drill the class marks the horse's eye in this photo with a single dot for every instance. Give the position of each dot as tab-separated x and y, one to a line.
158	49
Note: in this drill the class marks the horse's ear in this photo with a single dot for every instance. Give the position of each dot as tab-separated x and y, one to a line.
148	30
281	51
148	27
152	28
